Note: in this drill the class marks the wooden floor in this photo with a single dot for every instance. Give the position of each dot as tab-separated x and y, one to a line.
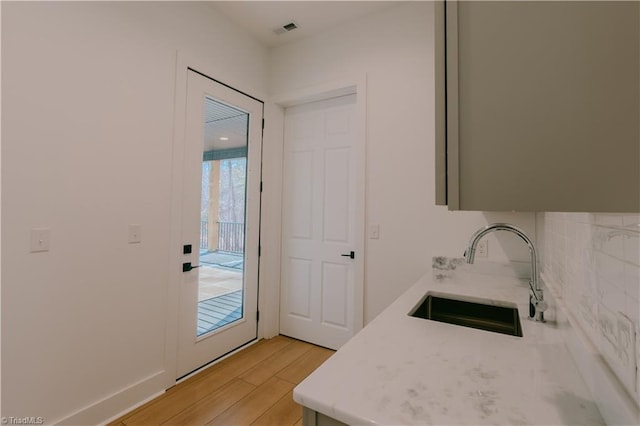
252	387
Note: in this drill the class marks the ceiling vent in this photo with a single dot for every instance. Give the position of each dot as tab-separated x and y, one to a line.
286	28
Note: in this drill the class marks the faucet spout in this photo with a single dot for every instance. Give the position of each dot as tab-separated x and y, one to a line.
536	299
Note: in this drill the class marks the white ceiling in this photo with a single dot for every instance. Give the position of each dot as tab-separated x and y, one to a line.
261	18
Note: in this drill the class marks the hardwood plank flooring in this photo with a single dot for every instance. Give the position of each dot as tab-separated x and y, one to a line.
300	368
248	409
213	405
252	387
285	411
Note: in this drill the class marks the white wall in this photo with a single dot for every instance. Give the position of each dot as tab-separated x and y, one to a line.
88	110
394	48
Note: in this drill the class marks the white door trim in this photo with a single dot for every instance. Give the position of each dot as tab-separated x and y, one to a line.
184	62
350	85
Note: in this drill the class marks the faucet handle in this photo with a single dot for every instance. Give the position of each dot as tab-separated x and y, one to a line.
537	308
540	305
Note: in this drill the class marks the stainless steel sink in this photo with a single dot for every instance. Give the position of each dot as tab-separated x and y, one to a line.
470	312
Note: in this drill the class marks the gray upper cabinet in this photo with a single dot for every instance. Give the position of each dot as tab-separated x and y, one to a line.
538	106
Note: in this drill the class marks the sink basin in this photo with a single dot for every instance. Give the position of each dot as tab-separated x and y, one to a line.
498	317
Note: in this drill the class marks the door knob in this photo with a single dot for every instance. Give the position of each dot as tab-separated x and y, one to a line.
351	255
186	267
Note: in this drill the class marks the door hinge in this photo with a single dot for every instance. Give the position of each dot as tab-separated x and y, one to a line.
257	316
259	250
261	186
263	124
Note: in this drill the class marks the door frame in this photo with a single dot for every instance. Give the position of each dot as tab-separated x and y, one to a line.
185	62
275	111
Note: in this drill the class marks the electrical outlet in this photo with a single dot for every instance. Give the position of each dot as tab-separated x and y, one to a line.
135	234
40	239
482	250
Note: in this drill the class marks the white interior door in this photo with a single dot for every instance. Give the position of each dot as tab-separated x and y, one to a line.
323	221
220	222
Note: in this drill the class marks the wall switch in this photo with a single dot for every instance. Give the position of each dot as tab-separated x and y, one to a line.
374	232
135	234
482	250
40	239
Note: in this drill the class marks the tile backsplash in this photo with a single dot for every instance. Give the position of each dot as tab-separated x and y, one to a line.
593	261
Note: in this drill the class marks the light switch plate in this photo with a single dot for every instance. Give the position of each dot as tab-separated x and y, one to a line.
40	239
135	233
374	232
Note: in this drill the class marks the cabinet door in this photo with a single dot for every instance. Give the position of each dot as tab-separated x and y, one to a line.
543	106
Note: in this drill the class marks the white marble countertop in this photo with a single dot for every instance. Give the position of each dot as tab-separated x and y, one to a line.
401	370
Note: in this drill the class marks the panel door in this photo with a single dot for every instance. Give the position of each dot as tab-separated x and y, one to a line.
321	292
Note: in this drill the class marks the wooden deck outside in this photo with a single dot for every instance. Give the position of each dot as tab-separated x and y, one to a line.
219	311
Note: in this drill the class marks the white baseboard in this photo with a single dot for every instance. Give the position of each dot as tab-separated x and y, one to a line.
130	398
616	406
101	412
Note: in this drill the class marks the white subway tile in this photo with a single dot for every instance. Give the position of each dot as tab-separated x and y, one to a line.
626	353
610	270
583	218
632	281
632	311
611	241
611	296
631	220
589	258
637	364
585	235
598	237
572	231
596	263
589	310
590	280
631	247
609	219
608	336
556	216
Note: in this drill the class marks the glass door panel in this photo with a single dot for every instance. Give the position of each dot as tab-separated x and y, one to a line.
222	217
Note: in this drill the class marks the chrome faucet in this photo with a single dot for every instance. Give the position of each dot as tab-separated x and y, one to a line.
537	305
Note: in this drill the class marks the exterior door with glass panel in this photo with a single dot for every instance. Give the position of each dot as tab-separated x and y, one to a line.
220	222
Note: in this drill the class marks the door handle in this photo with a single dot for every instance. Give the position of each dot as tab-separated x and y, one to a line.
351	255
186	267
